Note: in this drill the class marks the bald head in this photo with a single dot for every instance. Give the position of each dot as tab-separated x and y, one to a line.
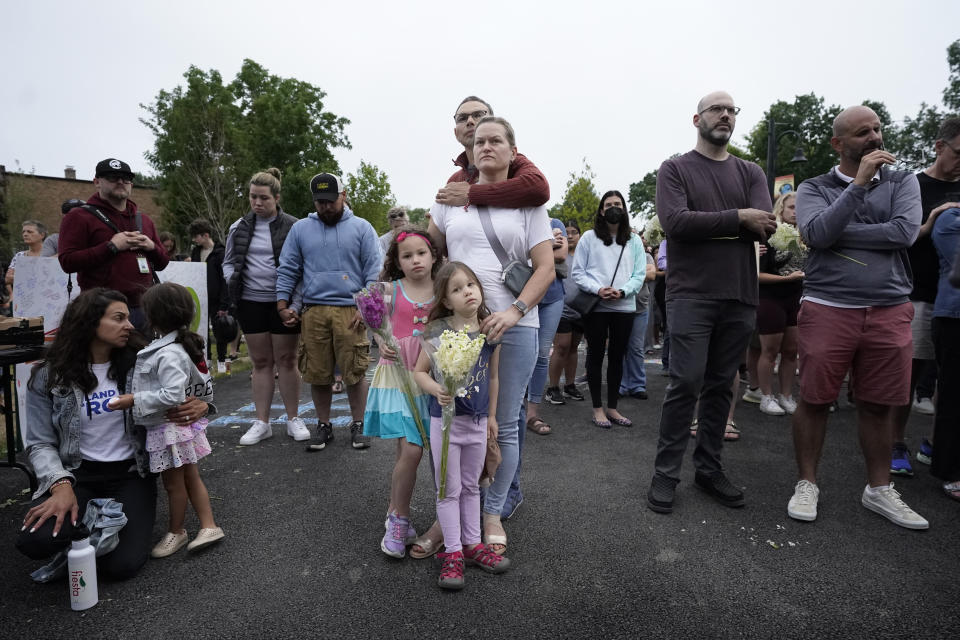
717	97
846	119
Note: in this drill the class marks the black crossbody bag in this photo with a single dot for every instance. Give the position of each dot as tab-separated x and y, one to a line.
105	220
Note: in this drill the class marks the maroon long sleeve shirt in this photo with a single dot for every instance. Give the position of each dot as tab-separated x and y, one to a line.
525	185
711	256
84	251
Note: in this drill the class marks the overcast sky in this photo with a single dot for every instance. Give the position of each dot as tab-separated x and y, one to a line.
613	82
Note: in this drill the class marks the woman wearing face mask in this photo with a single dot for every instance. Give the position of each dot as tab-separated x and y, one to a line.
610	264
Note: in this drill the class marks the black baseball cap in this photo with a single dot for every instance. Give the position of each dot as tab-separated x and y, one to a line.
113	167
326	186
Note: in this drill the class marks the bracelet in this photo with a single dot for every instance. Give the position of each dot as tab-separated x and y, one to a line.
60	482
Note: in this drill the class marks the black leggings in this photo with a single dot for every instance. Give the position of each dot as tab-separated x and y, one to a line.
596	328
104	480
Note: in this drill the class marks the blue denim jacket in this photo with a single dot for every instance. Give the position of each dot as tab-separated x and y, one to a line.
165	376
946	238
51	433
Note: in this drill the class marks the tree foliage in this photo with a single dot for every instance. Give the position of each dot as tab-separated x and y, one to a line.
369	195
642	197
418	216
580	200
211	137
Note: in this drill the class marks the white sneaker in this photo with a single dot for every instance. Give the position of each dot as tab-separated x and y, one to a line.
259	431
769	406
803	504
222	367
924	406
297	430
752	395
787	404
886	501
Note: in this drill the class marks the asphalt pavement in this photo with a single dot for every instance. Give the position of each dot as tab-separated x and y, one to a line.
302	560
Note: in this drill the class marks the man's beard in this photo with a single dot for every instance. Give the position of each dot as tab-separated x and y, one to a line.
330	218
714	137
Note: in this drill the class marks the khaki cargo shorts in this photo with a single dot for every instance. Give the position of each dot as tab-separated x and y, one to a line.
326	340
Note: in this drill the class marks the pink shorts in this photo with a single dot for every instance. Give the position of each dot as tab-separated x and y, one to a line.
874	343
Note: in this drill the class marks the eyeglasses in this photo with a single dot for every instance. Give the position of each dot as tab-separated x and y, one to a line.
396	216
719	110
116	179
460	118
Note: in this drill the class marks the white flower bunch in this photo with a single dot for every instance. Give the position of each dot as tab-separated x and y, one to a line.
786	238
457	354
653	232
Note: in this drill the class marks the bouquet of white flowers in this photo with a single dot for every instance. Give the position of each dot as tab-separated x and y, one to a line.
653	232
787	238
454	356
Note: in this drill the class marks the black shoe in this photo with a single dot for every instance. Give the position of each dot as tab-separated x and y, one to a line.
553	396
720	488
660	495
324	435
357	439
639	395
571	391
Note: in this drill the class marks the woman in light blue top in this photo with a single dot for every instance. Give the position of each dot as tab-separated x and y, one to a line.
609	263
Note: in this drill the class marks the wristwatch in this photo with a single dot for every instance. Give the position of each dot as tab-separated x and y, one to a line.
520	306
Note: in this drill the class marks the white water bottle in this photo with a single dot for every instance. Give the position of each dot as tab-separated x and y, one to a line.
82	571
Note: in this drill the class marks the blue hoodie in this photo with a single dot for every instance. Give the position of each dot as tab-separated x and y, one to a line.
334	262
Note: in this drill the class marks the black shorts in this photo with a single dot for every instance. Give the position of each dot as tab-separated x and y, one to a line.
262	317
570	326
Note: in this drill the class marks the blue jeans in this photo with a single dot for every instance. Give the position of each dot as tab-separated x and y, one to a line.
634	372
518	356
549	319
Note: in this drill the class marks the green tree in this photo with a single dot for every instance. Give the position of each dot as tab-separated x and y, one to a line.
211	137
418	216
642	196
812	119
913	140
580	200
369	195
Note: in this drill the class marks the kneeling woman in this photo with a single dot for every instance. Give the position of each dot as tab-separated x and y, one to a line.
78	447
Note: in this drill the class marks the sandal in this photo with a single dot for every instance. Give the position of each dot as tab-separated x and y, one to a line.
539	427
731	433
621	422
496	542
428	547
952	489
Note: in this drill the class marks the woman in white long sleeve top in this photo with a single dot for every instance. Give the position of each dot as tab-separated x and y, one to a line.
609	263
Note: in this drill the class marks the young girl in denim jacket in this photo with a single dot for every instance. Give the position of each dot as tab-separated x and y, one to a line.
168	370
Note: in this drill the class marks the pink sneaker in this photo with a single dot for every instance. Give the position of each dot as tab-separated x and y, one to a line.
394	543
451	570
481	556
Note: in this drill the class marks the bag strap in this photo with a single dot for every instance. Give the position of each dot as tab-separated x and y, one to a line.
100	215
618	262
105	220
492	238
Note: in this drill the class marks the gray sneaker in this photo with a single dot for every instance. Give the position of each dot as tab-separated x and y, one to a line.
887	503
752	395
324	435
803	504
357	439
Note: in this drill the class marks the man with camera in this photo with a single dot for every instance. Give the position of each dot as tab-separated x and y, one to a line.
109	243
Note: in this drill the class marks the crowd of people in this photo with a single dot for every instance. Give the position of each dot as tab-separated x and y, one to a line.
844	280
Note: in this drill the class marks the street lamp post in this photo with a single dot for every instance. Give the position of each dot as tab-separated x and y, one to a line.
772	140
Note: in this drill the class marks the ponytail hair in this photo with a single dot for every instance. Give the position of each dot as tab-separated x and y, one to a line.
268	178
170	307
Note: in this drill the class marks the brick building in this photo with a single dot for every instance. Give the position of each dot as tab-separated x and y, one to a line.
31	197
